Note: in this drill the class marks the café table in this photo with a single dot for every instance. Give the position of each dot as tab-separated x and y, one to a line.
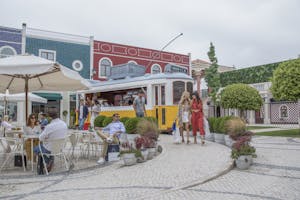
31	137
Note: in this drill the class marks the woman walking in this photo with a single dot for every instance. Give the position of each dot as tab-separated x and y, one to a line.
197	117
184	115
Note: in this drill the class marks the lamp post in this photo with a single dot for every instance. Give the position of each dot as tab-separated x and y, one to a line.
170	42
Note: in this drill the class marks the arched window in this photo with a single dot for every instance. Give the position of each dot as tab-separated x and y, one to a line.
104	67
155	69
133	62
283	111
6	51
178	89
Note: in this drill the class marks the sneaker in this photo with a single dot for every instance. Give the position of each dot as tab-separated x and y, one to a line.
101	161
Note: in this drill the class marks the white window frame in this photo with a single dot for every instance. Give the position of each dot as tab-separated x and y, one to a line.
47	51
132	61
154	66
99	66
9	47
80	63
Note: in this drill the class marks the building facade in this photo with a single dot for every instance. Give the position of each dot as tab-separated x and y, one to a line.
107	55
10	41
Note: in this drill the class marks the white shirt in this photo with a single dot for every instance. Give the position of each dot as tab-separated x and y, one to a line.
81	112
57	129
6	125
30	131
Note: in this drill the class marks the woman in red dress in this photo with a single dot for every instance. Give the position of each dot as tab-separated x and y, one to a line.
197	117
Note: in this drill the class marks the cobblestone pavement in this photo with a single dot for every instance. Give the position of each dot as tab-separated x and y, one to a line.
274	175
180	172
176	168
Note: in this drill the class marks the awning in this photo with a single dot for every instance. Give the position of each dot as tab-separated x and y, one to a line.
50	96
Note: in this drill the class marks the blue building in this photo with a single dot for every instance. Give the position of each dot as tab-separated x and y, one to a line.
10	41
72	51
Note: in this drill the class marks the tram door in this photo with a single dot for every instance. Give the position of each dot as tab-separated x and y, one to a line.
159	99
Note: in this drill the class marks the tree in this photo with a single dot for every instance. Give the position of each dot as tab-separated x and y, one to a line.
286	82
212	76
241	96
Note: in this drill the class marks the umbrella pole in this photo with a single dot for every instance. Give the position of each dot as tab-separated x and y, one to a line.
26	98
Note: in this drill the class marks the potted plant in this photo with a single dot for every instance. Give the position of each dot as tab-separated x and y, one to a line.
219	134
130	126
242	152
128	154
140	145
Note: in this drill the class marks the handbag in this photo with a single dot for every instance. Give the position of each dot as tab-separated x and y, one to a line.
18	161
113	152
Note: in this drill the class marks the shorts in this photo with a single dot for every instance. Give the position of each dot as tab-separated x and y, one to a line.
185	117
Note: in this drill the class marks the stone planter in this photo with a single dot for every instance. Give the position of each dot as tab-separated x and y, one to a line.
219	138
243	162
129	159
151	153
145	153
228	141
210	137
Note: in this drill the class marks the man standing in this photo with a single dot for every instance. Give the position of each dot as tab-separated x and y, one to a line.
82	113
114	129
139	105
57	129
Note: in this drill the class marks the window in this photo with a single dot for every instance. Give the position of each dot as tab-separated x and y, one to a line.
155	69
104	67
178	89
171	68
77	65
47	54
133	62
6	51
283	111
11	110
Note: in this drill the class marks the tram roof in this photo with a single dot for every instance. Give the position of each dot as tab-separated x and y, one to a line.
94	85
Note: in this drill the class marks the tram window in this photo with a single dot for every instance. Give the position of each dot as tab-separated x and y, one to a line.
189	87
156	95
163	95
178	89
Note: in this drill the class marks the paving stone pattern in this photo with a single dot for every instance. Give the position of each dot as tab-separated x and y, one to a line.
174	174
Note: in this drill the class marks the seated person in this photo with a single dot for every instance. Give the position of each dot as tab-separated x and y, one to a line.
57	129
114	129
5	123
43	120
32	127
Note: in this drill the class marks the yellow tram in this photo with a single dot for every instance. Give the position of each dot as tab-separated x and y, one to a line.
162	93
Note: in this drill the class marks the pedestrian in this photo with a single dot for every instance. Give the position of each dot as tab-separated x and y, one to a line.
197	117
184	115
95	111
139	105
82	114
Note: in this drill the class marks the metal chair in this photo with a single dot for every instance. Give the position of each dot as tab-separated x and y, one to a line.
57	149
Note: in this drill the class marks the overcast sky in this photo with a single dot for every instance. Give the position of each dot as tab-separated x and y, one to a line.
244	32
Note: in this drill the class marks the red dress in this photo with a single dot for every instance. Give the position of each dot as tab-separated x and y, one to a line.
197	118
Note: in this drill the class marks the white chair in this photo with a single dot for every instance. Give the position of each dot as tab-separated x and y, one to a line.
57	149
11	147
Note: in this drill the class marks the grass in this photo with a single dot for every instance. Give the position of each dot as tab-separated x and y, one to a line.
282	133
258	127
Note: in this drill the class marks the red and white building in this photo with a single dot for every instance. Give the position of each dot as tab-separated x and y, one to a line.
107	55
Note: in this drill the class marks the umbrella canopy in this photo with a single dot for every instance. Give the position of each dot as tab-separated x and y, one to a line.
23	73
21	97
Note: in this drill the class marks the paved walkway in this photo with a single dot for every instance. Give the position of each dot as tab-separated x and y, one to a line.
177	168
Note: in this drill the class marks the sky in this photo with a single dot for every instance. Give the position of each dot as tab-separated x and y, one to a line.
244	32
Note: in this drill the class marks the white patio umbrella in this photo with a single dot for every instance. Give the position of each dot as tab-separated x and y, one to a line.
21	97
24	73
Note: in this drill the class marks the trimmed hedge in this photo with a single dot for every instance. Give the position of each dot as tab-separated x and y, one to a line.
107	121
98	122
130	125
124	119
256	74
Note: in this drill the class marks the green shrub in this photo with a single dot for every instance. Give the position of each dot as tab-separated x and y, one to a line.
130	125
211	122
107	121
222	127
124	119
216	124
98	122
147	128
